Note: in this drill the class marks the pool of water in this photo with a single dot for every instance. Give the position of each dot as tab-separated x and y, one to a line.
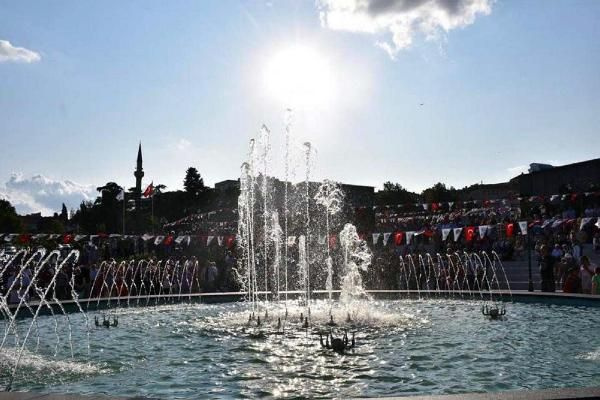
403	347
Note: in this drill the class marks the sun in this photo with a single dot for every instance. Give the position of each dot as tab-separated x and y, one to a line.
298	76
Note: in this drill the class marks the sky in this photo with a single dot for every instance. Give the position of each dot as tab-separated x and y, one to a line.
412	91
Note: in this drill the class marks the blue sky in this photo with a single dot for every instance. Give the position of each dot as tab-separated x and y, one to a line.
514	85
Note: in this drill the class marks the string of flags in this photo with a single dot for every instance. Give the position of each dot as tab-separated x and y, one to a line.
469	233
157	240
437	206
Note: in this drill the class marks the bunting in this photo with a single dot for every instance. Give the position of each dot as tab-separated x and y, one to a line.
523	227
456	232
386	237
483	230
376	237
445	233
398	236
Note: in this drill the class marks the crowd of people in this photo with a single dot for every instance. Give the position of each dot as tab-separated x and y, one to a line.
556	233
563	266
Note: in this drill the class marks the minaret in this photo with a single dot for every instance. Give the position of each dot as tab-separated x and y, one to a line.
139	174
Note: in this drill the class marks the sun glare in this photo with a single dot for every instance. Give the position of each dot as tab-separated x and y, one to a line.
299	76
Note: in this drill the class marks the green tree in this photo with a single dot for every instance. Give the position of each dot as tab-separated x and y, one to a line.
394	193
64	214
51	225
9	220
439	192
193	183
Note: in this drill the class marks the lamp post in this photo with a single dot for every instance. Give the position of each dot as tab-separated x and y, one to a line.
530	287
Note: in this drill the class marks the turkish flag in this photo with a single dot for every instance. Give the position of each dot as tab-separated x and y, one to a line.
398	236
230	241
149	190
332	241
434	206
573	197
67	239
470	233
24	238
510	229
168	240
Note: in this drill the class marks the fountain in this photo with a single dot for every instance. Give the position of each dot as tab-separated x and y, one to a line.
153	332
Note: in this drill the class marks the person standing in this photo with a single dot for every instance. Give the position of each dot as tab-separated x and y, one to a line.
546	263
586	271
596	282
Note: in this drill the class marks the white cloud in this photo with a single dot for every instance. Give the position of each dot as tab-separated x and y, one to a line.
10	53
43	194
183	144
402	19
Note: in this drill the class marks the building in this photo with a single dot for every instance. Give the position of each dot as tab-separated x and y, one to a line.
488	191
227	185
577	177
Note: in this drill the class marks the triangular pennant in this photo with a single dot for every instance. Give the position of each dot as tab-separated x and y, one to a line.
220	240
409	236
445	233
386	238
523	227
376	237
145	237
482	230
584	222
322	239
209	239
158	240
456	232
291	240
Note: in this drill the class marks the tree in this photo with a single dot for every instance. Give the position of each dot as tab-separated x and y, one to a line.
439	192
392	187
193	183
159	188
9	220
394	193
110	190
51	225
64	214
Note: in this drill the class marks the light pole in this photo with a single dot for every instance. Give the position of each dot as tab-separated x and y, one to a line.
530	287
